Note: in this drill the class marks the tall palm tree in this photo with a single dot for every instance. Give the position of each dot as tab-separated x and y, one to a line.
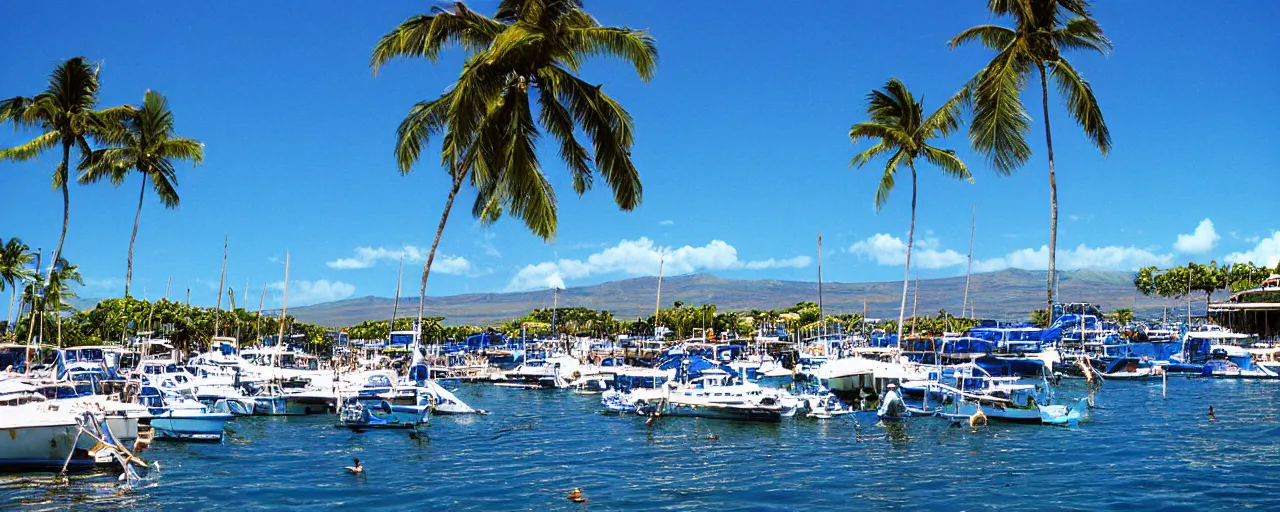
903	132
1042	30
486	117
65	114
145	142
14	258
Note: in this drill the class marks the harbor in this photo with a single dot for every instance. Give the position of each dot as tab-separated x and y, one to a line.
492	422
537	445
646	256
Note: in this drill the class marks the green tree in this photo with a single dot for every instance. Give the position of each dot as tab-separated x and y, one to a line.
146	143
14	258
65	115
486	118
1040	318
903	132
1042	30
1123	315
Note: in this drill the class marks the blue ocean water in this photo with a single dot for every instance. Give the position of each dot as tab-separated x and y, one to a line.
1138	452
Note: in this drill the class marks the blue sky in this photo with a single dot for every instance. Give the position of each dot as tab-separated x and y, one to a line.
741	143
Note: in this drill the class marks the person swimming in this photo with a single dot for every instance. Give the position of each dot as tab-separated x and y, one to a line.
356	469
576	496
1211	416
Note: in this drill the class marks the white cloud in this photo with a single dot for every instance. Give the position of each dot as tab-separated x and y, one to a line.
303	293
1111	257
1267	252
1199	241
367	257
642	257
666	223
886	249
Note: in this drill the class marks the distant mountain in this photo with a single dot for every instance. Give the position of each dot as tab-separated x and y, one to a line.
1006	294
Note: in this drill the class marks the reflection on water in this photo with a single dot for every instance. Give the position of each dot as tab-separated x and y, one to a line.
1140	451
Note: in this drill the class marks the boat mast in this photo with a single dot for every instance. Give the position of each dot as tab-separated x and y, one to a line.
968	272
396	304
222	281
915	300
555	308
258	330
657	303
822	319
284	304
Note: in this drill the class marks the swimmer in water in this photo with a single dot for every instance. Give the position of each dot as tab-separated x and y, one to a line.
356	469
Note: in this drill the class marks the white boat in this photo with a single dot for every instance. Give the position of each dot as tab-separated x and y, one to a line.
35	436
179	417
714	395
550	371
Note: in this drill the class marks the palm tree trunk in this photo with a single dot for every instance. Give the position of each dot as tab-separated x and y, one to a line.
66	210
911	237
1053	192
9	319
128	276
431	256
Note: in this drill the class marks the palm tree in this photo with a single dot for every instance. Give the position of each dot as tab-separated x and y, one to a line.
486	117
903	132
1042	29
146	143
14	258
65	113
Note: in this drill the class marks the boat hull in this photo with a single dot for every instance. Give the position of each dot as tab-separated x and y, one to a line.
769	415
45	445
190	427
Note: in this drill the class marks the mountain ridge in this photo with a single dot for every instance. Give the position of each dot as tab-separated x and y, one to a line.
1005	294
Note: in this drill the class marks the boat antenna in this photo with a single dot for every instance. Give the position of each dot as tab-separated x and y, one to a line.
821	318
395	305
915	300
657	304
284	304
222	281
968	272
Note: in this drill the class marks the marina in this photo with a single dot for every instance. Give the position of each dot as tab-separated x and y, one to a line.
535	446
630	311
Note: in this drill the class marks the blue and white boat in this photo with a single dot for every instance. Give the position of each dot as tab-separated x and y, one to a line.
179	417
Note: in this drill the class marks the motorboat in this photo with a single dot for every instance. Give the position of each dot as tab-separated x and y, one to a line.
181	417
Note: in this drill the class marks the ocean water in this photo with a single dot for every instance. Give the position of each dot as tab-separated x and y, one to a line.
1139	451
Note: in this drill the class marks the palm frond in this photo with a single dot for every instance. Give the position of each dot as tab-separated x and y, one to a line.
425	119
113	164
555	118
895	135
181	149
427	35
1081	103
887	181
164	182
992	37
1082	34
11	109
529	196
870	153
610	128
947	160
635	46
945	120
1000	121
32	148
